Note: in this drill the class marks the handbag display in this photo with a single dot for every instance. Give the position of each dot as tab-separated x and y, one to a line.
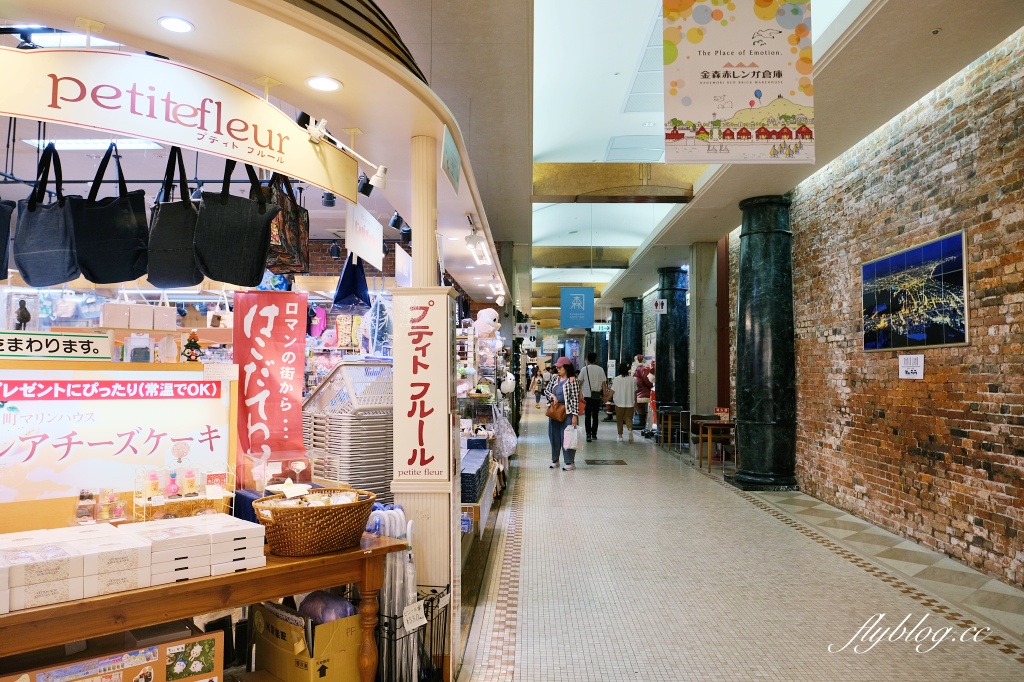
289	231
6	211
556	411
352	297
233	233
172	233
44	242
111	234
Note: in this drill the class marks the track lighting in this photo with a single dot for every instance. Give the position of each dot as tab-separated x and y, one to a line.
365	187
26	42
318	131
386	249
500	300
380	178
396	221
472	240
335	251
406	233
328	199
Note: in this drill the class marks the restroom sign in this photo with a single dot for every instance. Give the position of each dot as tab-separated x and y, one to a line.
661	306
522	330
911	367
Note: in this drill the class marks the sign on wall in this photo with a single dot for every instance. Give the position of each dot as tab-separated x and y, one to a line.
738	82
170	103
577	307
423	347
911	367
661	306
364	236
451	162
62	430
22	345
270	351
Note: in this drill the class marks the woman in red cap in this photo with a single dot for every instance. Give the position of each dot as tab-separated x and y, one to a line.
563	389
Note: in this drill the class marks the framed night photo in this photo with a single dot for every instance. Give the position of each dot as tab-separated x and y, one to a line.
918	297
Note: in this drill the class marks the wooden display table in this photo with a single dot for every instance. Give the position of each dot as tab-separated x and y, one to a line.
57	624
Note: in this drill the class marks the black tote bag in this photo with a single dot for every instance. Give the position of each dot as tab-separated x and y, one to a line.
172	233
352	297
44	241
233	233
6	210
111	235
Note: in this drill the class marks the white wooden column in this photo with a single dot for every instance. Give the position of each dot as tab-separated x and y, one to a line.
424	211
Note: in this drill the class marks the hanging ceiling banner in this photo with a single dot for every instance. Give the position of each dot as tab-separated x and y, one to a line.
364	236
738	82
160	100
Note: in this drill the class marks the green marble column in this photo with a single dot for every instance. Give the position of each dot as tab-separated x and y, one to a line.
632	329
672	340
765	348
615	336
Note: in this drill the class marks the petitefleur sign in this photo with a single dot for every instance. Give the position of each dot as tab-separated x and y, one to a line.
170	103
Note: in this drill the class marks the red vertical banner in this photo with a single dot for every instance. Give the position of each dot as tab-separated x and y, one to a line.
270	351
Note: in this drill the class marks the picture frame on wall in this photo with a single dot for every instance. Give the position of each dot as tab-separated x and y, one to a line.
917	298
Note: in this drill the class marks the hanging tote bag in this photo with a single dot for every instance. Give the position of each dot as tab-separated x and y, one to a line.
6	210
111	235
352	297
44	241
172	232
289	231
233	233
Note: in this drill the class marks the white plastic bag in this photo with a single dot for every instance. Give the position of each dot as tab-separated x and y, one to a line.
571	439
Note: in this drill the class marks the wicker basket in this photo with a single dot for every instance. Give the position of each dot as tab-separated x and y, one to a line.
305	531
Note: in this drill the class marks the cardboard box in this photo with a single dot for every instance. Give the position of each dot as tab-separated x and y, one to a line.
224	528
238	565
168	533
197	658
115	581
113	553
237	553
165	318
200	552
307	652
140	316
42	594
4	573
179	565
115	315
41	563
179	575
5	602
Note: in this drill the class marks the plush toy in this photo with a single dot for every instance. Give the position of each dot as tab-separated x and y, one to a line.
486	323
329	339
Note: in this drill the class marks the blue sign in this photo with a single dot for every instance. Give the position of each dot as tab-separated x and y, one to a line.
577	307
451	162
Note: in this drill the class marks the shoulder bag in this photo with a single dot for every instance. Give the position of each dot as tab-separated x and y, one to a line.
6	211
44	242
289	231
233	233
111	236
172	233
595	392
556	411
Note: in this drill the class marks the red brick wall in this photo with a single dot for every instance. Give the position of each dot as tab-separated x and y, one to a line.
939	461
321	263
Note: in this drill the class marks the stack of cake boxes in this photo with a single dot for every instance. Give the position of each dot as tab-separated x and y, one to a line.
38	568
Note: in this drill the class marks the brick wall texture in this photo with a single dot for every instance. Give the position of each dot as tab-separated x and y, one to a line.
938	461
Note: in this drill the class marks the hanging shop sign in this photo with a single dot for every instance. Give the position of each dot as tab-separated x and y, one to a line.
170	103
403	267
738	82
522	330
22	345
577	307
62	430
451	162
270	351
423	347
364	236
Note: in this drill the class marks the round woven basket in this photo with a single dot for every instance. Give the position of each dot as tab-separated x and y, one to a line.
305	531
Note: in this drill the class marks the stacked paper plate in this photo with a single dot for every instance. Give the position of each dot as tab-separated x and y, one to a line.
355	449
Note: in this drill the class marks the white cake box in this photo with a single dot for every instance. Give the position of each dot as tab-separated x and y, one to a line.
113	553
224	528
236	566
178	576
116	581
225	553
4	572
179	565
168	534
42	594
5	602
199	552
41	563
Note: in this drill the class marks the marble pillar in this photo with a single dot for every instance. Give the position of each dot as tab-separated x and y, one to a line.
672	340
632	329
615	337
704	328
765	348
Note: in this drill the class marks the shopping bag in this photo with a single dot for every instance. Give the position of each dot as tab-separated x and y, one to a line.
111	234
44	242
289	231
172	232
352	297
571	437
6	211
233	233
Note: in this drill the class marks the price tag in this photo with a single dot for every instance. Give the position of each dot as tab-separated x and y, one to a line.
291	491
413	616
157	500
215	371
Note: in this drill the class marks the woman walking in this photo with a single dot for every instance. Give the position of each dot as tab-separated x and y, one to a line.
624	386
563	390
535	388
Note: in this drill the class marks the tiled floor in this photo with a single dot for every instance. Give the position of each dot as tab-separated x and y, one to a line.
656	571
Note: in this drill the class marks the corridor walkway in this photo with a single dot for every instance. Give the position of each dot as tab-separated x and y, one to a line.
651	570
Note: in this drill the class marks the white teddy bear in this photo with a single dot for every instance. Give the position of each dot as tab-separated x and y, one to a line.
486	324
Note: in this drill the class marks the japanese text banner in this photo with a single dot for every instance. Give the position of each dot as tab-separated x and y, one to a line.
160	100
270	351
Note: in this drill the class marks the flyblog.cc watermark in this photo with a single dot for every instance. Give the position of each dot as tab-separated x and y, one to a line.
924	637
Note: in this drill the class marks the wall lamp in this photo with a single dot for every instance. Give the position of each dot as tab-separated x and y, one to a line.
396	221
318	131
335	251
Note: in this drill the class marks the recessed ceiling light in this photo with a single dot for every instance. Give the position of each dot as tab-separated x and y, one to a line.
482	284
323	83
471	267
490	298
93	143
176	24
